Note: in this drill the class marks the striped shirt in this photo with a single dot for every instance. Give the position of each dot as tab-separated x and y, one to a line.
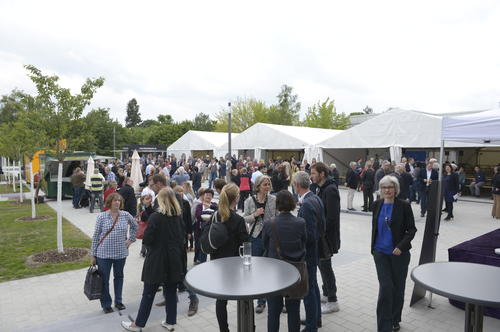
96	182
113	246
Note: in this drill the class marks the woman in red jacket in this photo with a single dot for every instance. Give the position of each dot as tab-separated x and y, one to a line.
245	188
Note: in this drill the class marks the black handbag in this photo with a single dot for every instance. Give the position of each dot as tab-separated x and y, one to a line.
301	287
92	288
93	283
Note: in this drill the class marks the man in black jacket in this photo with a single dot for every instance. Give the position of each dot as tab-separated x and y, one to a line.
351	182
313	212
329	194
128	194
425	178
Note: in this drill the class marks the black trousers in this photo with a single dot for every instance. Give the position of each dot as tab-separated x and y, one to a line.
449	209
367	199
221	313
391	272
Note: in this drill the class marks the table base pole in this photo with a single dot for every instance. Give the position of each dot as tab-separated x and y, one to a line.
245	316
473	318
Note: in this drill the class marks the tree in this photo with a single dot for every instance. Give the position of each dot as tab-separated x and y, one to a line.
98	132
203	122
61	118
166	134
11	106
287	110
149	123
133	116
367	110
245	113
324	115
165	119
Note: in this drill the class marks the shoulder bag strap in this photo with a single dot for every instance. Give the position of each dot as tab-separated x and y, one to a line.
254	220
276	239
107	233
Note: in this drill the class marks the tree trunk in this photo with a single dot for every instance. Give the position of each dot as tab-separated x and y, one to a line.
60	247
21	198
32	182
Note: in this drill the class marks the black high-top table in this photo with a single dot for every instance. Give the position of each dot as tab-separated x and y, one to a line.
476	285
228	279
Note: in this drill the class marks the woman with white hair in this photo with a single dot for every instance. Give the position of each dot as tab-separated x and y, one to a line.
393	228
180	176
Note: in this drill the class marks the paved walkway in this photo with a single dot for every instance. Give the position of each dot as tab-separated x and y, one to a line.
56	302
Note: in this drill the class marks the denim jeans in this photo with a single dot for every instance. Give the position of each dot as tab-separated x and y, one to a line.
274	311
391	273
77	194
312	301
148	296
258	251
93	195
329	286
104	265
211	179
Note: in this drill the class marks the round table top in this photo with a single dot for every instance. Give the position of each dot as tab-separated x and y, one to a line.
228	279
465	282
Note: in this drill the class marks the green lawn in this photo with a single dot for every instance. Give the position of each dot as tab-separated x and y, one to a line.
7	189
20	239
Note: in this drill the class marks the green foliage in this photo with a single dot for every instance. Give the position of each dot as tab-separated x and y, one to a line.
324	115
245	113
288	108
149	123
165	119
11	106
166	134
133	116
368	110
97	135
21	239
59	110
356	113
203	122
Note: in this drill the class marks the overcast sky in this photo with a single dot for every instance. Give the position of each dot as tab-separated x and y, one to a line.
185	57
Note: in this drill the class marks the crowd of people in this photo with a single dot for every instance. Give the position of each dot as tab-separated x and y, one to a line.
255	204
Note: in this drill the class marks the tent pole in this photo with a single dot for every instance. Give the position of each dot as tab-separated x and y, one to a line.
438	214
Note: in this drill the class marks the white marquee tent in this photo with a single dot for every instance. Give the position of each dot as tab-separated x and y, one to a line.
262	137
392	131
194	140
480	127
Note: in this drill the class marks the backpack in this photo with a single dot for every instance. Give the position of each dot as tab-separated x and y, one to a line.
214	235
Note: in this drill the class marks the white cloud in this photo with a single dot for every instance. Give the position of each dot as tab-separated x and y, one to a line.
193	56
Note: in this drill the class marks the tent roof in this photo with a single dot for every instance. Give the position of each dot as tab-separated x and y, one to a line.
477	127
199	140
278	137
395	127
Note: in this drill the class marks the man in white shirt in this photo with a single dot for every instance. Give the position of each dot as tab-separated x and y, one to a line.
148	190
260	171
149	167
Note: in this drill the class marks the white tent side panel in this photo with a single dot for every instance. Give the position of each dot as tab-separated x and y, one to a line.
477	127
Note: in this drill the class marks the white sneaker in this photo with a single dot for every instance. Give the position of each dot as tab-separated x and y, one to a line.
169	327
324	299
329	307
128	326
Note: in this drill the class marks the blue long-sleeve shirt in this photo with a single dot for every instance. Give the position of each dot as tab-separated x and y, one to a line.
479	177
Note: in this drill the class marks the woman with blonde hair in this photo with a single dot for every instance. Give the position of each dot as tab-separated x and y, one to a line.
164	264
259	209
237	234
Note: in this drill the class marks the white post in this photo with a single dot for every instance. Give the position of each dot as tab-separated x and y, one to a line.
13	176
60	247
32	187
21	199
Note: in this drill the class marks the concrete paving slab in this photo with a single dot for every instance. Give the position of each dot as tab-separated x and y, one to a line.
56	302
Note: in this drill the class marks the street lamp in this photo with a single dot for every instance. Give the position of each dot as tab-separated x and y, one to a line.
229	129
